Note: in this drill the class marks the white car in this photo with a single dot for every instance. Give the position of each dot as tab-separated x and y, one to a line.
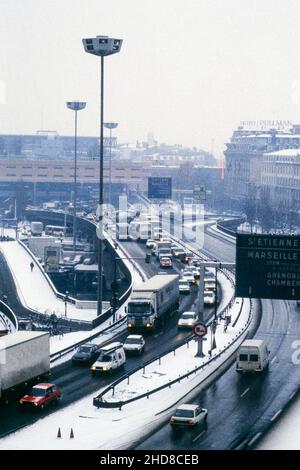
189	277
184	286
210	285
134	344
111	357
209	297
209	276
150	243
187	320
188	416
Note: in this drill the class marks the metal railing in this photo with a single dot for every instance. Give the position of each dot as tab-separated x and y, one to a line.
99	400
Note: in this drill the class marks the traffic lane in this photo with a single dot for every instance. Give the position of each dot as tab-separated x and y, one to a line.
77	381
239	405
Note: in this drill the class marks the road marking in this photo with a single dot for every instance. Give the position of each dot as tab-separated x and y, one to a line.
245	391
274	359
276	414
254	438
199	435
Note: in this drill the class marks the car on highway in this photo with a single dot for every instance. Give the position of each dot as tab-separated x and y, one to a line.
187	320
210	285
188	257
86	353
189	277
165	262
111	357
184	286
178	252
187	416
134	344
209	276
252	356
40	396
209	297
196	272
150	243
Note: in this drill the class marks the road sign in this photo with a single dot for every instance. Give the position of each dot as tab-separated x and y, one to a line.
199	193
160	188
200	329
268	266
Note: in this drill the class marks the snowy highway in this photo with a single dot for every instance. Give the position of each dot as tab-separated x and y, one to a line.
77	382
241	408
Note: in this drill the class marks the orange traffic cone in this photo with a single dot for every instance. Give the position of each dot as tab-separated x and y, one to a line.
71	434
58	433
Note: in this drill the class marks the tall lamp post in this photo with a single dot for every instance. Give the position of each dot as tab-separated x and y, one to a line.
110	126
75	106
101	46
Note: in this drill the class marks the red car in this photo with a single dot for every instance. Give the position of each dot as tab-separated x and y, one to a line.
165	262
41	395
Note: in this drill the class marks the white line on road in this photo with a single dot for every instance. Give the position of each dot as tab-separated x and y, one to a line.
199	435
254	438
274	359
245	391
292	395
276	414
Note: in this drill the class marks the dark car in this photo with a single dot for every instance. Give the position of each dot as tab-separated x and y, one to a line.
41	395
86	354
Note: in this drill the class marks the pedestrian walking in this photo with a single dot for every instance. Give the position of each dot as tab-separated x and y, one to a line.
31	266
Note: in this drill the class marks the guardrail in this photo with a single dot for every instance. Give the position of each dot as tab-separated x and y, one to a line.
227	226
7	311
99	400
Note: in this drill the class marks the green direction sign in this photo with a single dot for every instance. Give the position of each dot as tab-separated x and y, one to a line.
268	266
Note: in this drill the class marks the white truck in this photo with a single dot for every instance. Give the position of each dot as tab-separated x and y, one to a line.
36	229
252	356
152	302
24	358
163	248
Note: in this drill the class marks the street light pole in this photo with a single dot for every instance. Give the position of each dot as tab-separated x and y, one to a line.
101	46
75	106
110	126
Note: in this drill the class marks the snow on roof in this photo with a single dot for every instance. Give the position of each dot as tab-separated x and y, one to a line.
284	153
188	407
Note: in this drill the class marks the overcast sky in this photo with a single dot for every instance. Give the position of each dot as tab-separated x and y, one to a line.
189	70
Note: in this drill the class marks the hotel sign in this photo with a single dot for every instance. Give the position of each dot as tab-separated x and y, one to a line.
268	266
265	125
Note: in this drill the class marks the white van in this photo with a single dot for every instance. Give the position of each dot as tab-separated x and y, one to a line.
111	357
253	356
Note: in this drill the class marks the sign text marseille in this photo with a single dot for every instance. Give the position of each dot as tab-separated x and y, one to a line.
268	266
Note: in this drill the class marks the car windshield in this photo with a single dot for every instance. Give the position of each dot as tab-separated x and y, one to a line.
183	283
187	316
37	392
184	413
105	357
165	259
85	349
209	294
132	341
179	250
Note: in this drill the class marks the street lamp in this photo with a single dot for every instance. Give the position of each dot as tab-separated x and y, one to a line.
75	106
110	126
66	302
101	46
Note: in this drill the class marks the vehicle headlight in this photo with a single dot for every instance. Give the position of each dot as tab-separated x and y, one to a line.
104	368
93	368
129	325
190	323
36	404
148	325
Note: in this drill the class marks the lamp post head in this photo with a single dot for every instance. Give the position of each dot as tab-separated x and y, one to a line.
102	45
76	105
110	125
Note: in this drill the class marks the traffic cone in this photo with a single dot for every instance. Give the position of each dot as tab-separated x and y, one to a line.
71	434
58	434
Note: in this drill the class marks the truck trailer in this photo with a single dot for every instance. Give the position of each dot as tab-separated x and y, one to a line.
24	359
152	302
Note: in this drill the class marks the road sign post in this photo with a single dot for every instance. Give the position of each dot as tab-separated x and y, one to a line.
200	330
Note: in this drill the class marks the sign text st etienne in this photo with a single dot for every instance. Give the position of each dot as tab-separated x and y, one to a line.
268	266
